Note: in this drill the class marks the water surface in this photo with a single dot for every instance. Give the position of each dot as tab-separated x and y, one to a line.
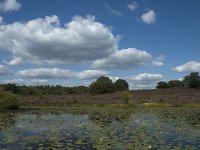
101	128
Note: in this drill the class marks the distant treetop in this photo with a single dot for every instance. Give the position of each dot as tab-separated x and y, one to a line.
190	81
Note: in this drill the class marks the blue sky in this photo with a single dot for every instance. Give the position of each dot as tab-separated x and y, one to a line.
74	42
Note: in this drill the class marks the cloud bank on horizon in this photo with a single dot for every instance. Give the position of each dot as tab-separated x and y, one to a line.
48	50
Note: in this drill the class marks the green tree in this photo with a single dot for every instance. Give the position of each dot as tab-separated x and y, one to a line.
162	85
192	80
176	84
101	85
121	85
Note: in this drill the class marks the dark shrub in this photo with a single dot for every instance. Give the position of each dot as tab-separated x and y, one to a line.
176	84
162	85
121	85
8	101
101	85
192	80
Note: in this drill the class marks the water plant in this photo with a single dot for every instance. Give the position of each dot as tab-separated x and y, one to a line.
101	128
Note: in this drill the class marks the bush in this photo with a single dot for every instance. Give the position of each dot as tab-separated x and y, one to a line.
192	80
176	84
121	85
101	86
8	101
126	97
162	85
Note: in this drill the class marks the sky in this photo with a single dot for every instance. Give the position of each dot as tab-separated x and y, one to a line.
71	43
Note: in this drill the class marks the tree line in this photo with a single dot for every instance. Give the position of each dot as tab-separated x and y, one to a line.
100	86
189	81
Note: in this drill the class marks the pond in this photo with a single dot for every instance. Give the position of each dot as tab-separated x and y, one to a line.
101	128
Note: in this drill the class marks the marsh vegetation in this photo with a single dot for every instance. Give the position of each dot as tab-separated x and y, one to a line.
8	101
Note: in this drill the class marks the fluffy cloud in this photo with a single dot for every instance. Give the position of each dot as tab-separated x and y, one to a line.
146	78
144	81
112	11
4	70
25	82
10	5
39	81
158	62
45	40
16	81
46	73
15	61
92	74
57	73
132	6
191	66
124	59
149	17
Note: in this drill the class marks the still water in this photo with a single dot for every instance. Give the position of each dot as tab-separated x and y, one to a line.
101	128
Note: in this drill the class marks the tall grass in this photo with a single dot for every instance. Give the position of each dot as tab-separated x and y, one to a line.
8	101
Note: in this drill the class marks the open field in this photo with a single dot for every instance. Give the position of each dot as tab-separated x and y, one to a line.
166	96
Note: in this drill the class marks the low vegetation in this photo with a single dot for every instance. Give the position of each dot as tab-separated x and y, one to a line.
103	92
8	101
126	97
44	89
100	86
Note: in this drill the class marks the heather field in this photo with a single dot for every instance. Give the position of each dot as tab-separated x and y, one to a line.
174	97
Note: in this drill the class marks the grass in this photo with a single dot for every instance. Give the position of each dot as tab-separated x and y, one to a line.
140	98
129	106
8	101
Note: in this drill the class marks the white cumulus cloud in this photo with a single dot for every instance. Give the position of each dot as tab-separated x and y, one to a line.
33	82
44	40
15	61
112	11
144	81
124	59
191	66
145	77
39	82
46	73
58	73
16	81
132	6
158	62
92	74
10	5
149	17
